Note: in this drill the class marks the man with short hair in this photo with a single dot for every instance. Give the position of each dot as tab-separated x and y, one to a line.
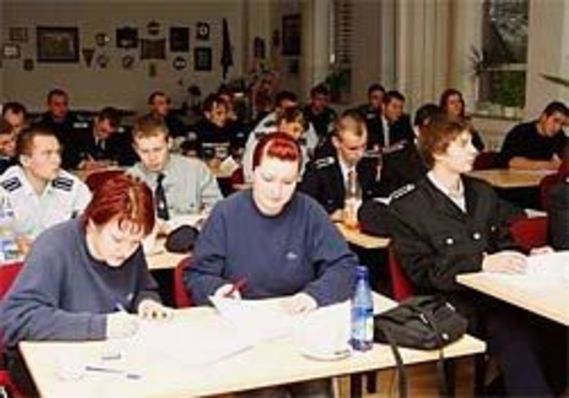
95	146
40	192
327	179
15	114
395	125
181	185
160	107
539	144
58	118
371	113
319	113
7	145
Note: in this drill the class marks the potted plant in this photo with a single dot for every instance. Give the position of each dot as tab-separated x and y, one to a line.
510	92
338	81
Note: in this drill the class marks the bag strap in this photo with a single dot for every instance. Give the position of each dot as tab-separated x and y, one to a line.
444	389
401	373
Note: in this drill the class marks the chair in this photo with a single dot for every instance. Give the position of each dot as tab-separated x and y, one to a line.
529	233
545	186
400	284
95	179
181	297
8	273
486	160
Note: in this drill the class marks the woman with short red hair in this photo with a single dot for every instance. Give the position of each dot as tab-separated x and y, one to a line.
83	278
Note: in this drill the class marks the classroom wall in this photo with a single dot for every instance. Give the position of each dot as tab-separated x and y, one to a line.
93	87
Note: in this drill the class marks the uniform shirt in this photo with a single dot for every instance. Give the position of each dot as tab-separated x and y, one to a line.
188	184
325	181
457	197
63	198
323	122
435	240
298	250
525	141
308	142
372	117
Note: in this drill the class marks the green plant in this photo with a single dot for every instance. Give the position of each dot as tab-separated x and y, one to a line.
478	60
510	88
338	80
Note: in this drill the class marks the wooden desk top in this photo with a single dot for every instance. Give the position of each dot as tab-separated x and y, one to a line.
162	259
508	178
550	301
273	362
360	239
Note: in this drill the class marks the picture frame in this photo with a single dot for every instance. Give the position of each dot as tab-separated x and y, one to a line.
202	59
57	44
127	37
179	39
153	49
10	51
291	34
18	34
202	31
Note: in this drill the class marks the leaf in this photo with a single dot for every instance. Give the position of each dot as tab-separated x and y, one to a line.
556	79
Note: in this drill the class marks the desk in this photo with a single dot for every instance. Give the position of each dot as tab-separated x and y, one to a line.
355	237
273	362
509	179
550	301
162	259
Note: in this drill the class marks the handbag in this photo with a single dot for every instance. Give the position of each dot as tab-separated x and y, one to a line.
420	322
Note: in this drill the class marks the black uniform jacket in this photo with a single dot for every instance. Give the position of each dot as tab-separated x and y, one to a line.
323	181
434	240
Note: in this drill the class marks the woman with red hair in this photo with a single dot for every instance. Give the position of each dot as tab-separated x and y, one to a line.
83	278
290	248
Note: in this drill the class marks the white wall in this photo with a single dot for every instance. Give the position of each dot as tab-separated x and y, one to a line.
93	87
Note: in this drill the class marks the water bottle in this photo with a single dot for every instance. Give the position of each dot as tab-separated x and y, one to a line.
352	201
362	312
8	245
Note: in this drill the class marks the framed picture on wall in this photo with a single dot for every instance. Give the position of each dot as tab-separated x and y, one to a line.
179	39
202	59
57	44
291	35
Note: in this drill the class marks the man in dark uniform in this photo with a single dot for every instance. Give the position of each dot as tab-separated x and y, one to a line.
371	112
98	144
319	113
7	146
395	125
15	114
58	118
326	179
160	107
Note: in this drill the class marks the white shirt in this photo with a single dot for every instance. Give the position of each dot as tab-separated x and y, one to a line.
385	123
457	197
62	199
345	170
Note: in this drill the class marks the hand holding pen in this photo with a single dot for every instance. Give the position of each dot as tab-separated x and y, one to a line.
121	324
232	290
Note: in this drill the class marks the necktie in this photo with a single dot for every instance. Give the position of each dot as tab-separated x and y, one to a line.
160	198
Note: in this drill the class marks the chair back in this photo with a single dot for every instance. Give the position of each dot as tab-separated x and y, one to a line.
545	185
486	160
97	178
181	297
400	285
529	233
8	273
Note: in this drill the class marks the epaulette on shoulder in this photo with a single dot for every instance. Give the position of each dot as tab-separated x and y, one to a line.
400	192
63	183
270	124
324	162
11	184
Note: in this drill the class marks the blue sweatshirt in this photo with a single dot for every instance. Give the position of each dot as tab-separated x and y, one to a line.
63	293
298	250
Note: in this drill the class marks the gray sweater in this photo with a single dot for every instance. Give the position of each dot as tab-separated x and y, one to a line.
298	250
63	293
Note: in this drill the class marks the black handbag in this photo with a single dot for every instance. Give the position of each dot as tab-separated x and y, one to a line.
420	322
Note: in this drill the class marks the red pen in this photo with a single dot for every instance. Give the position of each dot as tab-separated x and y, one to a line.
236	287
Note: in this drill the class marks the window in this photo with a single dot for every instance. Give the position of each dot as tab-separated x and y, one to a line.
341	28
500	64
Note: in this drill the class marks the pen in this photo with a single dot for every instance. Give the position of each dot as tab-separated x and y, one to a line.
91	368
236	287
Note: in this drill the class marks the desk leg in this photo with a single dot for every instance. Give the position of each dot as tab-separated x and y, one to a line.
371	382
479	375
356	385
